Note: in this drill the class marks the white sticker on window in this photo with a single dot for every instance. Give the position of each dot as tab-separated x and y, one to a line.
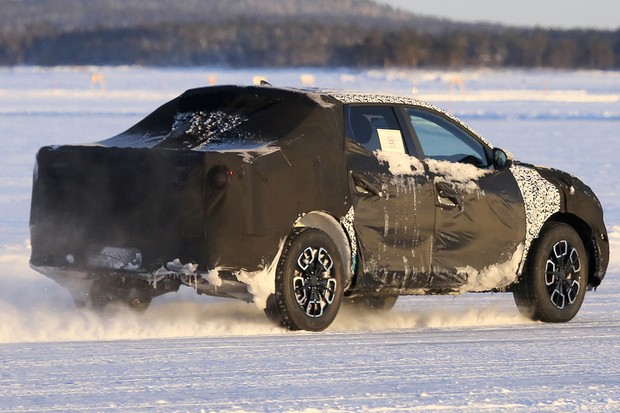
391	140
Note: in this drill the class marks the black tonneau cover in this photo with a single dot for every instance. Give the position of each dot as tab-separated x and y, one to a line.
147	188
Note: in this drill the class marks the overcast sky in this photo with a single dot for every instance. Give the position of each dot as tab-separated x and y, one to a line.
600	14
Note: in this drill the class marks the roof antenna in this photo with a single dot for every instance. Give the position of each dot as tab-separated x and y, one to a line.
263	82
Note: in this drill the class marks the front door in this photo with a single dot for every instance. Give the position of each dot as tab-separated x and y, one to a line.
479	216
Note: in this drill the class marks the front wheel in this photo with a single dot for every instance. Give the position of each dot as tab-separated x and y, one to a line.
554	284
309	282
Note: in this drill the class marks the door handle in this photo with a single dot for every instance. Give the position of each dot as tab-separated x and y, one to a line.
363	186
447	196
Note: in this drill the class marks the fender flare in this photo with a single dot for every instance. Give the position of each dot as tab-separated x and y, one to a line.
334	229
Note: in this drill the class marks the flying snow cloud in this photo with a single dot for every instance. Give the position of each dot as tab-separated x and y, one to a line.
34	308
614	245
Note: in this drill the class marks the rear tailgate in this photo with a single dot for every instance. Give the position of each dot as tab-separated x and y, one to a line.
86	198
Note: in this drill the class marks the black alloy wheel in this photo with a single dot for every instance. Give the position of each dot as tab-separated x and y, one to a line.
309	282
562	274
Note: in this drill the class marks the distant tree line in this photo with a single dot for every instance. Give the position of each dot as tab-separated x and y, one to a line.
289	42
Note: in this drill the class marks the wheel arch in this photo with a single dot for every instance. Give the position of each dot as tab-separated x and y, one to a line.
334	229
590	243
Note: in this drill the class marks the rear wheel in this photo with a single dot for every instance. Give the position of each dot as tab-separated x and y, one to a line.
309	282
106	292
554	284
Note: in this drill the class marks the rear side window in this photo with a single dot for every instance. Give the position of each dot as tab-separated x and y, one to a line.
375	128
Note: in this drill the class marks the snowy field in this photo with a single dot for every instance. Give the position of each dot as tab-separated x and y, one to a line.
194	354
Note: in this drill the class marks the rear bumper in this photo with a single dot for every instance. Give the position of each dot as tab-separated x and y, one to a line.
80	281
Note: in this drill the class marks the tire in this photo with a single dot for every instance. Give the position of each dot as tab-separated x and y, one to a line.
372	303
104	293
140	304
554	284
309	282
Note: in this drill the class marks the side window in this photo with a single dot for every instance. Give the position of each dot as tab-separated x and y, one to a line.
375	128
443	140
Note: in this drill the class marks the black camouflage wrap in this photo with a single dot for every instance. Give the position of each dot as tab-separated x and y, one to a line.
219	177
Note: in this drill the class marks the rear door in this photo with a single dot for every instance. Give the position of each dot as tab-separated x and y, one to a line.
392	199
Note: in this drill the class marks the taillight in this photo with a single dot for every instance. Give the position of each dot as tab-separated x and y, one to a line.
218	176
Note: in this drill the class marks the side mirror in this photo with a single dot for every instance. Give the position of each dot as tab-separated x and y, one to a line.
501	159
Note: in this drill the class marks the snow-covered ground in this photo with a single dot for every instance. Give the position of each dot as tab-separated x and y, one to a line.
192	354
